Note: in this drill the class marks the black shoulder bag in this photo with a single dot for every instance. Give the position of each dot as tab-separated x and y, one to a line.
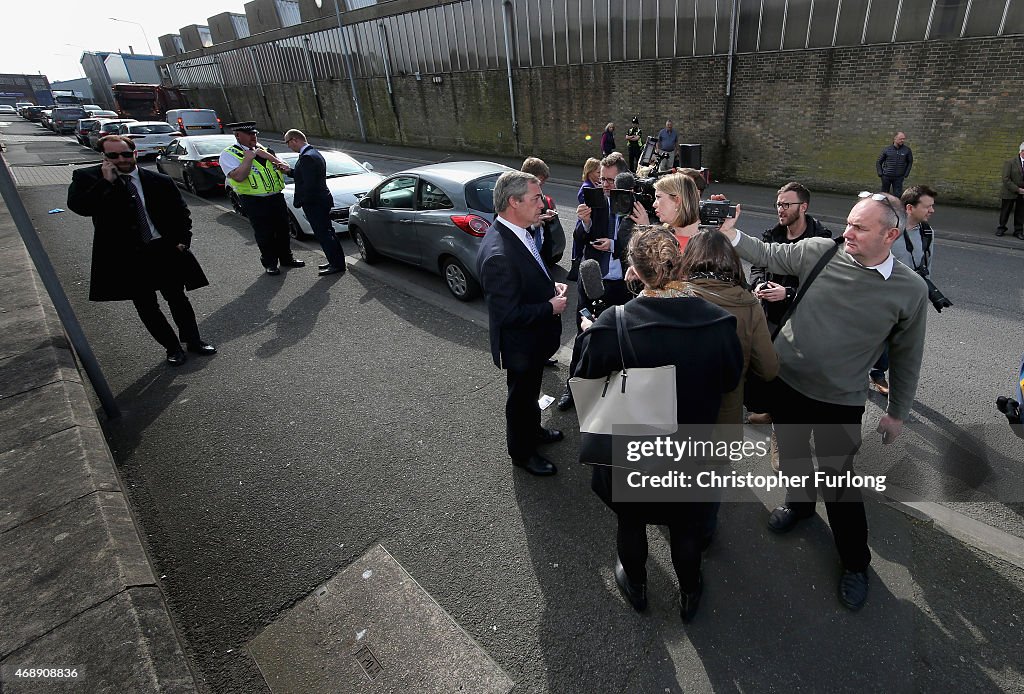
806	284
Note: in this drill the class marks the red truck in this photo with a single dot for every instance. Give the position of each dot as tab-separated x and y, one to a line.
146	101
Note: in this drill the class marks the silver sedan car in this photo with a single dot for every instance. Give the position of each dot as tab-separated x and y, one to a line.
432	216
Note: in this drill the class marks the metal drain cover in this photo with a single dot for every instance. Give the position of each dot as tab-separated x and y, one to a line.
372	628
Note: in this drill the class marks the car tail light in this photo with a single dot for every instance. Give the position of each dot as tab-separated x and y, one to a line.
208	164
472	224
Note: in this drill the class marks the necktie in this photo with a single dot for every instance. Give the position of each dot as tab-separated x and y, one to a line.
533	251
140	210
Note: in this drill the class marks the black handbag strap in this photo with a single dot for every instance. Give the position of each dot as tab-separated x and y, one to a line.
806	284
625	344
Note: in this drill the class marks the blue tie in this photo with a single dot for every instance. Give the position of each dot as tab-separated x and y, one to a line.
533	251
140	210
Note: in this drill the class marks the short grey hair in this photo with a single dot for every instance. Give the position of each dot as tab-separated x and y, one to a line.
897	208
511	184
294	133
1021	148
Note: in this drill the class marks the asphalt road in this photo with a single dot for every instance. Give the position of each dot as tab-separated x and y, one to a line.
343	412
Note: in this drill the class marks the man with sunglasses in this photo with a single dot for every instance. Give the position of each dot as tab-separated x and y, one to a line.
254	174
143	230
776	291
860	301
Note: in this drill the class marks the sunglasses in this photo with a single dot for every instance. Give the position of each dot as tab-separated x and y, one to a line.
881	197
114	155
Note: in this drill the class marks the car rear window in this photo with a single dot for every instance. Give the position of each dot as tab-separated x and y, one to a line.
69	113
212	145
158	129
480	193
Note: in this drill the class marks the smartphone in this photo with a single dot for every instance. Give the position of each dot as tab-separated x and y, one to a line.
593	198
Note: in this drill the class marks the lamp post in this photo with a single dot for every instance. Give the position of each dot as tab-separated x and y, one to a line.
141	28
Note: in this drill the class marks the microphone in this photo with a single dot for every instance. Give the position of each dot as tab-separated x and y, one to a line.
593	287
625	181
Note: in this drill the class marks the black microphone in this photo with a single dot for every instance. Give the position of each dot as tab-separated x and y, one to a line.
590	277
625	181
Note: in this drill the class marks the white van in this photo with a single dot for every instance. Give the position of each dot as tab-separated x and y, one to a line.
195	121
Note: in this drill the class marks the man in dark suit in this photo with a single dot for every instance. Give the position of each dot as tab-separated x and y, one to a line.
141	244
314	198
524	307
1011	195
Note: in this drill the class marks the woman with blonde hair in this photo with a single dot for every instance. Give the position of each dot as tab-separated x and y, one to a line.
677	204
591	179
666	324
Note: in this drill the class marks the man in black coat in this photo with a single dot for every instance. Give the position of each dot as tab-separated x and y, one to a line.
524	307
314	198
143	230
894	164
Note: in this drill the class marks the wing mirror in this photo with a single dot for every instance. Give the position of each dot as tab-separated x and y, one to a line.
368	166
366	202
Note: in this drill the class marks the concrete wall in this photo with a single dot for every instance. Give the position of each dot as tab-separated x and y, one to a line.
192	37
222	28
817	116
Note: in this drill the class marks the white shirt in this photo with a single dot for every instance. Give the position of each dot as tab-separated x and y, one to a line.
526	237
134	175
884	268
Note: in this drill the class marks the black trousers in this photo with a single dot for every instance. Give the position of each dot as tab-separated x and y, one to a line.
319	217
685	540
837	438
615	294
268	215
522	413
181	311
893	184
1017	205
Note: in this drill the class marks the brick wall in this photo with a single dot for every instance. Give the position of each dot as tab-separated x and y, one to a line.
817	116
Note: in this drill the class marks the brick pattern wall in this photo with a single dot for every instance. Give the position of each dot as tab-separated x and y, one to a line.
818	116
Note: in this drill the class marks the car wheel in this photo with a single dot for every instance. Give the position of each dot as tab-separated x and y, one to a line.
460	283
366	250
236	204
190	185
294	230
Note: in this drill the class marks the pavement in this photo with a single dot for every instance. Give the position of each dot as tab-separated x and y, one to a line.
77	588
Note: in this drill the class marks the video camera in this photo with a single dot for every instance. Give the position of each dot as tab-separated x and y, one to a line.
650	155
714	212
629	189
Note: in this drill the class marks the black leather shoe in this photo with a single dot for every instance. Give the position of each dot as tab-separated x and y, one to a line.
176	357
1000	232
293	262
537	465
273	271
565	402
323	266
550	436
330	270
635	593
853	589
689	602
201	348
1018	235
783	519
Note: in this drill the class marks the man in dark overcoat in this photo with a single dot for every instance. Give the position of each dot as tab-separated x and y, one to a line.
524	308
143	230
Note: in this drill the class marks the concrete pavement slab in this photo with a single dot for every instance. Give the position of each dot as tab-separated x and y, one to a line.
121	645
373	629
65	562
38	413
39	363
77	457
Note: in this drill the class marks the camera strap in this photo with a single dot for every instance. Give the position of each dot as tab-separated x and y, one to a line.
926	246
806	284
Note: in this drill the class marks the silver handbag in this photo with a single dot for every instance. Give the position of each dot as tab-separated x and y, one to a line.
631	402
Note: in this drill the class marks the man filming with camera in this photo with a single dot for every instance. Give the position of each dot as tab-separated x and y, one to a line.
604	236
914	249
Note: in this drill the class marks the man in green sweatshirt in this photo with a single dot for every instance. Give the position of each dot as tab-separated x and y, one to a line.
861	302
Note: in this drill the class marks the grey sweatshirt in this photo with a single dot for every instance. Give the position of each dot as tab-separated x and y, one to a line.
840	327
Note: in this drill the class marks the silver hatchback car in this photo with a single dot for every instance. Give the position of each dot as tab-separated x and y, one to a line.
432	216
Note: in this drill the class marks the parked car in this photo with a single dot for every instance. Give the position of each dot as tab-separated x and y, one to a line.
433	216
65	118
7	110
149	136
44	118
21	106
85	125
103	127
194	162
91	107
347	179
32	113
100	113
195	121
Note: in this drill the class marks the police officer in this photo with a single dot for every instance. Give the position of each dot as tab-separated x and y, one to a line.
634	143
254	174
